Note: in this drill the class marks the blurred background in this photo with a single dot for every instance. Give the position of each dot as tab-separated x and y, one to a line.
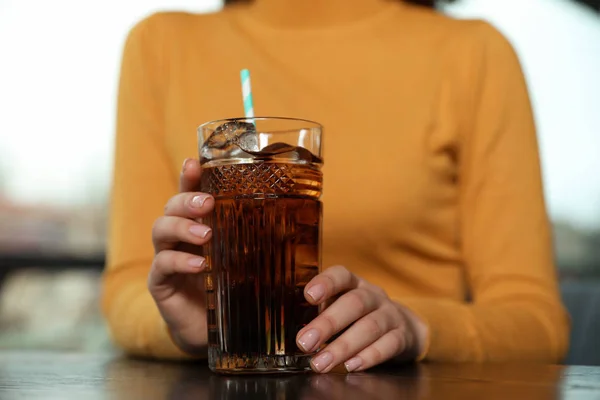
59	63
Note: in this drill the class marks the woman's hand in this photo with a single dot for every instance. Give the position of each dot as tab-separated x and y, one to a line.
173	281
378	328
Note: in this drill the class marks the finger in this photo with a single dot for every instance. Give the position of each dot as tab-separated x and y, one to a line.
344	311
167	232
359	336
170	262
329	283
189	179
385	348
190	205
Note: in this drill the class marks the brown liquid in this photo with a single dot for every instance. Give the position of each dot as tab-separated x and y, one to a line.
264	250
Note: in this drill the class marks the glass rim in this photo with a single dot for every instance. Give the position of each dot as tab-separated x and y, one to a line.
288	119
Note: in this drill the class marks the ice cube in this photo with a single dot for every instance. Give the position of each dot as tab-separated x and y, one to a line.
248	140
277	148
289	152
227	140
229	133
302	154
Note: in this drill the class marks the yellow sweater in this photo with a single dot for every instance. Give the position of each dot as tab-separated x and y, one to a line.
432	178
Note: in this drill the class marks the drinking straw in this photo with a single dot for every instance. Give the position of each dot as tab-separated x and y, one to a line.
247	93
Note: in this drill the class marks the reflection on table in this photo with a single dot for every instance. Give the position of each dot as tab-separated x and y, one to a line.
75	376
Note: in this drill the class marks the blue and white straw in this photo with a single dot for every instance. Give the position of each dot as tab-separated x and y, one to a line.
247	93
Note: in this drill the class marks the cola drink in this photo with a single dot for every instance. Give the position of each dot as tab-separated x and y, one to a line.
265	248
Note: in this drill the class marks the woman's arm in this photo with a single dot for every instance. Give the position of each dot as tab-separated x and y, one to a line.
516	311
144	179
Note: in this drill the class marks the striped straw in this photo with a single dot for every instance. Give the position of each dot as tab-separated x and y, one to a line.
247	93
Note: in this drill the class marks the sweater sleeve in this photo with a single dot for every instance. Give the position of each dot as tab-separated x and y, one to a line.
143	181
516	311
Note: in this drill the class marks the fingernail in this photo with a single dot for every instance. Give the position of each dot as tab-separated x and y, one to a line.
316	292
322	361
198	201
184	166
196	262
200	230
353	364
309	340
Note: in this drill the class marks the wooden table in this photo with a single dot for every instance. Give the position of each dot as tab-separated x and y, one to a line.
79	376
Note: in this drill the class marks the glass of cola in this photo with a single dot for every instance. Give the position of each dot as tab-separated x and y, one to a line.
265	175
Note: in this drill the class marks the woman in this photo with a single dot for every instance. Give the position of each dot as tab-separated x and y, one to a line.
433	189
